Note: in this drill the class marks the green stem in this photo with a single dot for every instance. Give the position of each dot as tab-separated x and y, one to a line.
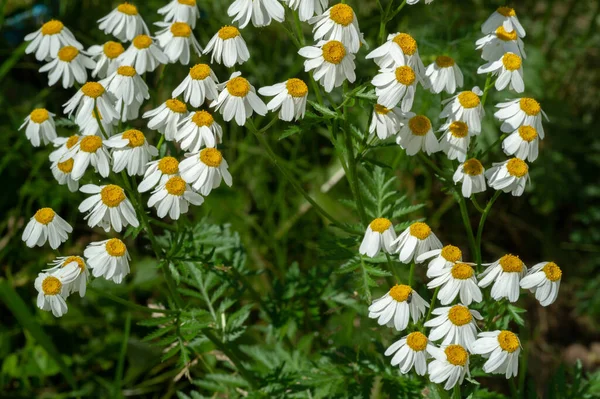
476	204
130	305
411	274
484	216
432	303
457	394
160	142
486	89
121	363
462	203
513	388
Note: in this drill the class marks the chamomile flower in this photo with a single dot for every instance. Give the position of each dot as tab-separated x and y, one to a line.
396	306
39	127
132	151
82	103
158	172
108	207
90	126
307	8
505	17
494	45
173	198
471	174
443	258
379	235
89	150
46	41
385	122
238	100
413	2
228	46
204	170
444	75
409	352
81	273
395	86
181	10
69	66
544	280
399	49
106	57
166	117
199	85
261	12
522	143
63	145
509	70
521	112
124	23
455	140
465	107
417	135
454	325
129	89
108	259
175	40
46	225
506	274
416	240
290	98
338	23
331	62
62	173
457	280
502	349
509	176
198	130
143	54
52	289
450	364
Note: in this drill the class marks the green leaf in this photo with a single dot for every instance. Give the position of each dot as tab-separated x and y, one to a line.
326	112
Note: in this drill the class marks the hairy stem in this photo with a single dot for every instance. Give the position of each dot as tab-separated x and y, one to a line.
484	216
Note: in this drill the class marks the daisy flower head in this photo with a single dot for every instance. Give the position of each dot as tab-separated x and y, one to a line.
444	75
441	258
173	198
417	135
166	117
143	54
506	274
471	174
131	150
199	85
509	176
524	111
129	89
455	140
124	22
261	12
457	280
307	8
338	23
410	351
228	46
108	207
238	100
106	57
399	49
465	107
52	289
495	44
63	145
39	127
181	10
289	98
89	150
204	170
46	225
385	122
175	39
522	143
416	240
450	363
505	17
543	279
198	130
454	325
158	172
502	349
46	41
395	85
90	126
108	259
62	173
331	62
380	235
69	66
92	95
81	274
396	306
509	70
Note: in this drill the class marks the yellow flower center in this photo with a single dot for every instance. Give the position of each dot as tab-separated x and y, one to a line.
459	315
341	14
517	167
552	271
113	49
405	75
51	286
228	32
67	53
296	87
468	99
400	292
508	341
511	61
92	89
76	259
380	225
202	118
503	35
511	264
176	106
90	144
472	167
443	61
462	271
52	27
406	43
420	230
419	125
181	29
66	166
72	141
168	165
528	133
115	247
506	11
175	186
238	87
112	195
200	71
39	115
456	355
416	341
451	253
126	70
381	110
135	137
211	157
459	129
142	41
530	106
190	3
334	52
127	8
44	215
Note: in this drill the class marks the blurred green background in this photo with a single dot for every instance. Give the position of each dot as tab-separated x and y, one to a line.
558	218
